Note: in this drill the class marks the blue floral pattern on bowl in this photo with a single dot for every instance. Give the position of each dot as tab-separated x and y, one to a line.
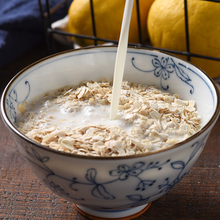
163	68
126	182
102	190
13	97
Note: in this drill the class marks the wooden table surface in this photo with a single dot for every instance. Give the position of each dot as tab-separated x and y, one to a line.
23	196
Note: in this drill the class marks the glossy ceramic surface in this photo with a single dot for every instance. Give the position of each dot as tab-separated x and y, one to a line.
112	185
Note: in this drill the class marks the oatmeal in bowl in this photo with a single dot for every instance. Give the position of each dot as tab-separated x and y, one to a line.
58	111
77	120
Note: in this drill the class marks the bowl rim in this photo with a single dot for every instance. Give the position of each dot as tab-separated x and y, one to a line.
14	130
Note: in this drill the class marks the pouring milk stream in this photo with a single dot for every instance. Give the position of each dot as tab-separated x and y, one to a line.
120	58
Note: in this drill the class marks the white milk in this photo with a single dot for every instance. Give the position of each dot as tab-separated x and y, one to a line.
120	58
87	116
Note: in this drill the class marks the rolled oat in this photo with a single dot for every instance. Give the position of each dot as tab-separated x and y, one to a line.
77	120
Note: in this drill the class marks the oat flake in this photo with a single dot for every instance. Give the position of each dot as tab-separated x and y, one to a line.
77	120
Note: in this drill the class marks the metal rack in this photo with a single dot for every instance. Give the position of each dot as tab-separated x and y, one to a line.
49	32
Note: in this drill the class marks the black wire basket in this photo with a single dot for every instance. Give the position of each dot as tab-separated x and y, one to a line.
50	32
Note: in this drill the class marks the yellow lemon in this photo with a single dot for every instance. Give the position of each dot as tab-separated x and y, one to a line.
166	28
108	19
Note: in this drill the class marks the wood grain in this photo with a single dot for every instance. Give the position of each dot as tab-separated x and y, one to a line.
23	196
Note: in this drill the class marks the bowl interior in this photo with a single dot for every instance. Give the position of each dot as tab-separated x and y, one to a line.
166	72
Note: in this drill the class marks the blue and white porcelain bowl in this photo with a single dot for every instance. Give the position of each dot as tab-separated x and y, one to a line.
120	186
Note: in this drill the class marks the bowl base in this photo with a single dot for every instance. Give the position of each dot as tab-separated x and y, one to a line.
125	214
